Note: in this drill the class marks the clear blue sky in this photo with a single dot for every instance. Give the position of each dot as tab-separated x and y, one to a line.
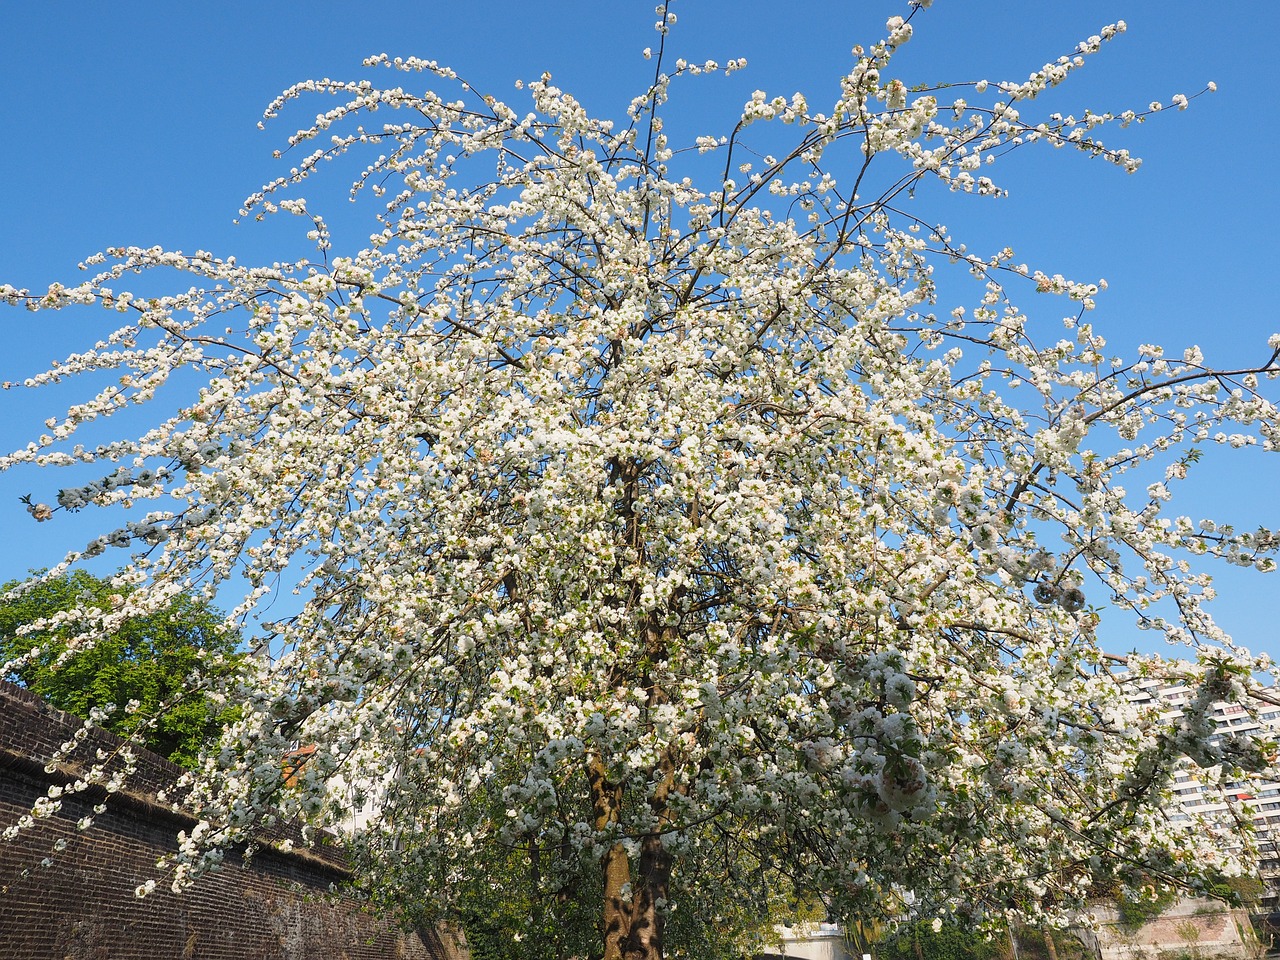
136	123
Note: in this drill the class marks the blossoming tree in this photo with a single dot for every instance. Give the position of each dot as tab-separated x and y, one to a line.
656	529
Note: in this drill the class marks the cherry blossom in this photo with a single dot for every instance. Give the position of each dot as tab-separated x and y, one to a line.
651	518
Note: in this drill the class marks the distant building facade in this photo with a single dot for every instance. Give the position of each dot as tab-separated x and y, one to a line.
1259	801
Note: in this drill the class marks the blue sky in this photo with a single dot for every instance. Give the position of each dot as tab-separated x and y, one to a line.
136	123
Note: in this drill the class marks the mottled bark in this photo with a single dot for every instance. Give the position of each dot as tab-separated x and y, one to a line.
634	920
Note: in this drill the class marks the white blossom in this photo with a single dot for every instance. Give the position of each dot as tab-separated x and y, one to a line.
631	512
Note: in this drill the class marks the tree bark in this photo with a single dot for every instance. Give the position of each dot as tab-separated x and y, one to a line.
634	920
617	909
606	801
648	915
1049	945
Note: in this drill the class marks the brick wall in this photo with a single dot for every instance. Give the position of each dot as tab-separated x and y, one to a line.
82	906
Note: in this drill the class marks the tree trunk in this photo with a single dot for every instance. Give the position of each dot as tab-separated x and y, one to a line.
649	915
617	911
1049	945
633	920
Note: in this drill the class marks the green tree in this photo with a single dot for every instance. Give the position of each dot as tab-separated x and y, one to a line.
924	939
151	660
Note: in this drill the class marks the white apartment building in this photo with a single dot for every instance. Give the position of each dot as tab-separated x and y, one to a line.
1259	800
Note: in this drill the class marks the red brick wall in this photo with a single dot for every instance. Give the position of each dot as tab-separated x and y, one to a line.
82	905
